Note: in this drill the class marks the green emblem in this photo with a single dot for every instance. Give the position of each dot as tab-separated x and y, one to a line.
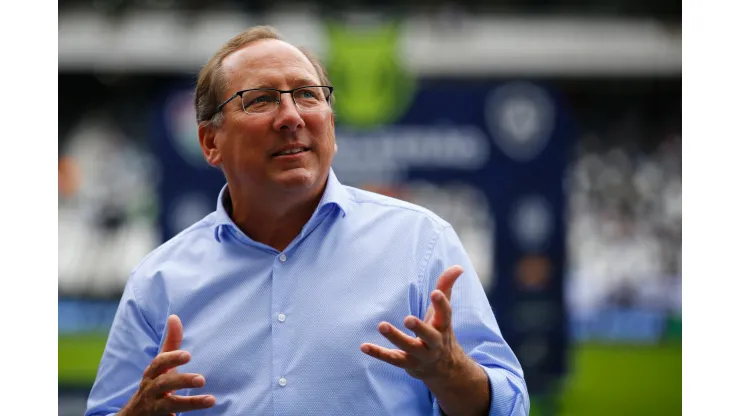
372	88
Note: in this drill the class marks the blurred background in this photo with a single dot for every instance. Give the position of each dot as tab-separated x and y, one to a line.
548	132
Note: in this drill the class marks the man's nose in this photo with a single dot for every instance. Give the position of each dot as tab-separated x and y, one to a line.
288	117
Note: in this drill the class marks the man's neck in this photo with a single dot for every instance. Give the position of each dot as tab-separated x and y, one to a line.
274	220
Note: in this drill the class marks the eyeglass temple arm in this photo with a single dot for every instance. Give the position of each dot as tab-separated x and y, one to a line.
220	106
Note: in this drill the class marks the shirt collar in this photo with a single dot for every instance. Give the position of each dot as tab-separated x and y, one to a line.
334	195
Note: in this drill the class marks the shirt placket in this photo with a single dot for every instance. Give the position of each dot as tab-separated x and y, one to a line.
281	330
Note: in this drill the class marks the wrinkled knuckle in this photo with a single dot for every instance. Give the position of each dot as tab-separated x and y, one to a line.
148	387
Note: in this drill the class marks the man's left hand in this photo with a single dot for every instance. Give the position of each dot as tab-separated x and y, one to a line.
434	354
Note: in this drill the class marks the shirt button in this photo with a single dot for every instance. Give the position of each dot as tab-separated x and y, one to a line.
282	381
283	257
281	317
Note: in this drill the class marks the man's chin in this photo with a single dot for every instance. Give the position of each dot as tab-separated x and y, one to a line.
298	178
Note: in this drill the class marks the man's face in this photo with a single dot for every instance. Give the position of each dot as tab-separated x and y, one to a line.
246	145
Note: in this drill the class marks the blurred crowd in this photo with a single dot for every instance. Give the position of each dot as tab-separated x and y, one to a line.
107	208
624	227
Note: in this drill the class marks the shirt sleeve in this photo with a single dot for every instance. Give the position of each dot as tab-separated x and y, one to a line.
131	346
476	328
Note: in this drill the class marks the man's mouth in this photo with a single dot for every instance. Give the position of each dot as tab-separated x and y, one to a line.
291	151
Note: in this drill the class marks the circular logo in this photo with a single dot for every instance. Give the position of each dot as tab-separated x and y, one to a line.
520	118
182	128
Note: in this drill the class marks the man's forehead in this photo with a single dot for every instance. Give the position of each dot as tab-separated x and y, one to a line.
264	60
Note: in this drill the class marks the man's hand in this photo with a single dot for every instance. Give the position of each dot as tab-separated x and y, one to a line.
160	379
434	353
460	385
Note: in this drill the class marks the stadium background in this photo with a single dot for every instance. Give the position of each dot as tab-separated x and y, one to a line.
547	132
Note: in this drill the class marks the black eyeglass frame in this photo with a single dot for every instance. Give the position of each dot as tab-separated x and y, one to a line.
240	93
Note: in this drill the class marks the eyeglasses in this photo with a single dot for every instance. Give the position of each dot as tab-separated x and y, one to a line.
267	100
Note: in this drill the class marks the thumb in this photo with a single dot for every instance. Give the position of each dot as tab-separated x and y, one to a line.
447	279
173	337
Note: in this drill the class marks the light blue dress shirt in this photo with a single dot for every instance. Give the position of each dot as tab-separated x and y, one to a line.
279	333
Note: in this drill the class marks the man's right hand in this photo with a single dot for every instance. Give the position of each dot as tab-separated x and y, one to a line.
160	379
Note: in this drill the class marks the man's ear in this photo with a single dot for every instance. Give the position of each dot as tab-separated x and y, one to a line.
207	137
336	148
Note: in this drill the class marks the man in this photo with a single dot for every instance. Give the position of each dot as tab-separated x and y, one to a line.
298	295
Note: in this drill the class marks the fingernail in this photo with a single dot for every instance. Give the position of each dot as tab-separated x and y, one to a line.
436	296
183	356
199	380
410	323
384	328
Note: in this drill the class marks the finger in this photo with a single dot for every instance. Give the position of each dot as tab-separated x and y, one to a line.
165	361
173	337
442	320
174	381
397	358
177	404
447	279
407	343
431	337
